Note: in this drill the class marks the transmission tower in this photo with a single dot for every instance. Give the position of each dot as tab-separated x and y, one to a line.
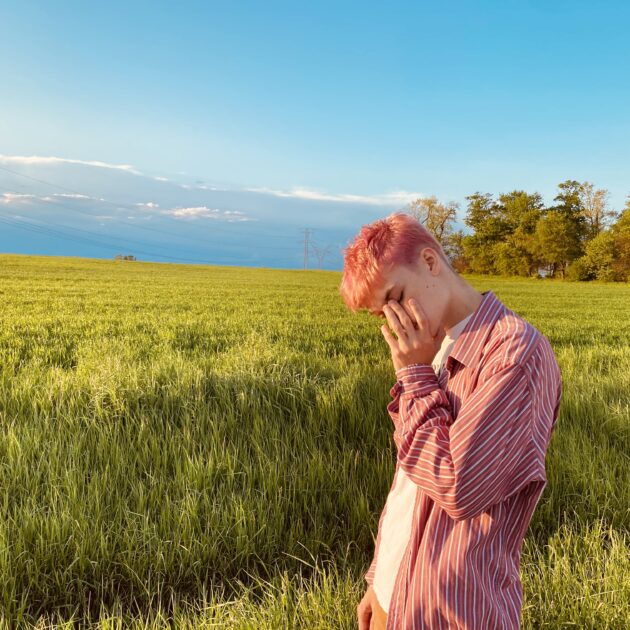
307	233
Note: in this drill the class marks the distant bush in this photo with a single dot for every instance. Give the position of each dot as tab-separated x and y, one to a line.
580	269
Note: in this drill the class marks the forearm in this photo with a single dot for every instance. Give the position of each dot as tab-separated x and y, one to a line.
465	466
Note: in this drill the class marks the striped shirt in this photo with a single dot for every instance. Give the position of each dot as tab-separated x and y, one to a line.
396	526
473	440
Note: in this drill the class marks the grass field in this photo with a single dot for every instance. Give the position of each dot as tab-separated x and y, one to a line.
210	446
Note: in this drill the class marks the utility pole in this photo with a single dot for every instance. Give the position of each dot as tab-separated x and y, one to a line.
321	253
306	237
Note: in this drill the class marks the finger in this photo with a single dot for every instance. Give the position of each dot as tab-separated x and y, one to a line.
394	322
403	317
389	338
418	312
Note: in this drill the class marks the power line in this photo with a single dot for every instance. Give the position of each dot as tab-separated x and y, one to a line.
117	205
43	229
204	242
321	253
91	215
41	225
306	237
38	229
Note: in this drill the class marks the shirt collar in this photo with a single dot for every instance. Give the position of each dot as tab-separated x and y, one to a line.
469	344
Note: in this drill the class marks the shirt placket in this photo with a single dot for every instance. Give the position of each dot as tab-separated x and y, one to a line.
399	594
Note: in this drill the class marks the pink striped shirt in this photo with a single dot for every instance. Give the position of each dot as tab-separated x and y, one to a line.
474	441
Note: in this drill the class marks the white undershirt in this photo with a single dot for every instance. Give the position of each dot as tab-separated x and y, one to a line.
396	527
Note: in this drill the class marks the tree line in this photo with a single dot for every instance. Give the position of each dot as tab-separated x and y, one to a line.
578	237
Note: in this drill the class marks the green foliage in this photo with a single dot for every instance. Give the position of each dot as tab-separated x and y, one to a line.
621	231
511	260
504	238
479	255
454	248
568	198
579	269
521	210
600	256
485	217
194	446
516	235
554	244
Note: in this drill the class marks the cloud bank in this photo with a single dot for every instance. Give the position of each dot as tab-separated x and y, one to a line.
390	199
43	160
399	197
203	212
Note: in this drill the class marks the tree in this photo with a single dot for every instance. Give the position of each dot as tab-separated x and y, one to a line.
487	218
594	208
503	232
621	232
607	256
569	205
601	253
569	199
521	213
515	234
553	243
436	217
522	210
454	249
479	254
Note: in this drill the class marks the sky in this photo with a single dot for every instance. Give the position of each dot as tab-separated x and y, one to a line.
229	128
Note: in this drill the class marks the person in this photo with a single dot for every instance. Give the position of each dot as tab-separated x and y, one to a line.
474	405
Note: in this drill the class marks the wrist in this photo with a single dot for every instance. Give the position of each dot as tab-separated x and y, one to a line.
410	368
417	378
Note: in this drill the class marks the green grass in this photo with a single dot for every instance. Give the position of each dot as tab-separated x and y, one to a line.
209	447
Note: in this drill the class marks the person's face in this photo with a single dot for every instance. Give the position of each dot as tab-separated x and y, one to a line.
423	282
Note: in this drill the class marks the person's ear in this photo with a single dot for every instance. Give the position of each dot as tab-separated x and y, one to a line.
427	259
432	260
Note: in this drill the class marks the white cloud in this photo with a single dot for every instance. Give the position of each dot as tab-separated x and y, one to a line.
38	159
199	187
75	196
202	212
399	197
104	217
55	196
14	198
7	198
393	199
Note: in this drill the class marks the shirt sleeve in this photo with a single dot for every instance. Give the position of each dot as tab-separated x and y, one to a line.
369	575
484	456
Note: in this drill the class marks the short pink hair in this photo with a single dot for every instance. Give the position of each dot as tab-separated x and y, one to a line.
379	246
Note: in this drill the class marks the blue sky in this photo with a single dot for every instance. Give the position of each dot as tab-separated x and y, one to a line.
323	114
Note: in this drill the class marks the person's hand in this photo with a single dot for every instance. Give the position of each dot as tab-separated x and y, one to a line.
413	342
364	610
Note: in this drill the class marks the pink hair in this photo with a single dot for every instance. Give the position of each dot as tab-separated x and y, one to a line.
395	240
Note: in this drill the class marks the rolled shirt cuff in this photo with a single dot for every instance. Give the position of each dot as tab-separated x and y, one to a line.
417	378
